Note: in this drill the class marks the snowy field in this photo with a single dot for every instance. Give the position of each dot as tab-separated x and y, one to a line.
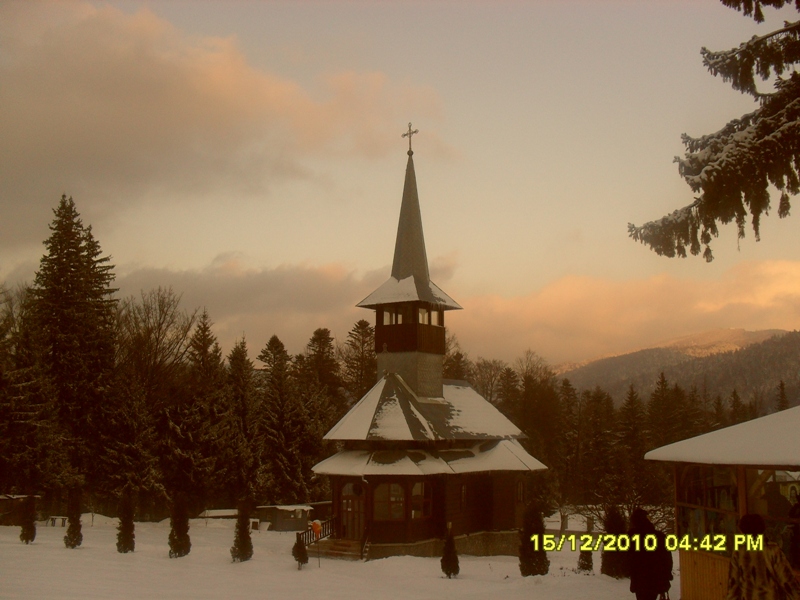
46	569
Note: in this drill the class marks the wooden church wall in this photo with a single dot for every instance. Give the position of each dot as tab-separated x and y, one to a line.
469	503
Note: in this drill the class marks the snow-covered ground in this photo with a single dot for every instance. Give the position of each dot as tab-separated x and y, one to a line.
46	569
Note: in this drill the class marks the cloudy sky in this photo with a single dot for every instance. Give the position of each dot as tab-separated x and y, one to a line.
249	155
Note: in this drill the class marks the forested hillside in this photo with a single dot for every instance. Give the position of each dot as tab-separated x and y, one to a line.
754	371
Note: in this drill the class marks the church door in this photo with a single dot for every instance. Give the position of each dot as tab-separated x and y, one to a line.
352	511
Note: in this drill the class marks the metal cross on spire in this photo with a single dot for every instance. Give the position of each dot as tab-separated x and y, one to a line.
408	134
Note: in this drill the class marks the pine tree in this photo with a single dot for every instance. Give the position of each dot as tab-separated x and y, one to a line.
28	529
630	449
244	426
571	447
659	413
585	562
285	423
720	413
738	411
179	542
532	561
781	401
614	563
730	171
359	360
320	359
456	363
598	458
300	553
449	560
74	310
508	392
74	537
242	549
207	379
126	538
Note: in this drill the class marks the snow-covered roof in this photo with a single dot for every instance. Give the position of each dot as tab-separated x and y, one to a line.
409	289
219	513
410	280
392	411
288	507
490	455
766	441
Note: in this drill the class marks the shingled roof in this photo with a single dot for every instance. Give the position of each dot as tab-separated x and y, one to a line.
392	411
410	280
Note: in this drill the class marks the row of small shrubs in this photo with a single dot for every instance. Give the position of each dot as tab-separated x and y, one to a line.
179	542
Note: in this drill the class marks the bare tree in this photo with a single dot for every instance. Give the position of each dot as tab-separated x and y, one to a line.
486	377
153	334
532	365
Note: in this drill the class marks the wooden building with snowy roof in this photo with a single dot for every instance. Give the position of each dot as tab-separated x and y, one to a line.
752	467
422	454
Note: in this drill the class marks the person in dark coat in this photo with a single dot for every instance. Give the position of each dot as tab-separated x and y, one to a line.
651	570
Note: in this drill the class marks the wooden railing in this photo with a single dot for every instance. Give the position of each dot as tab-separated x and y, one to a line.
309	536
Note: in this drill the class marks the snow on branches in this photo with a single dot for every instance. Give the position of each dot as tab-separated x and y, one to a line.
732	170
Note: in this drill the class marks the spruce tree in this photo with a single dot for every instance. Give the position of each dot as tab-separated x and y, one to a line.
738	410
75	313
571	446
781	401
585	562
208	381
320	358
179	542
456	363
74	537
449	560
720	413
659	413
300	553
532	561
242	549
359	360
508	392
730	171
126	538
28	529
285	425
614	563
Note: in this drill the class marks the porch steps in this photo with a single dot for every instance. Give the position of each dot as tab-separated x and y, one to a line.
336	548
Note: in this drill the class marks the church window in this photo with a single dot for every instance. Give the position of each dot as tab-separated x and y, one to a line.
390	500
436	318
392	315
424	316
421	500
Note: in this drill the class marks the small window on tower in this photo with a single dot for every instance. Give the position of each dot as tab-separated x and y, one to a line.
398	317
387	316
436	318
424	316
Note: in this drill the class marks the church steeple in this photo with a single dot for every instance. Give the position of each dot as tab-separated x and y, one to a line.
410	258
409	307
410	278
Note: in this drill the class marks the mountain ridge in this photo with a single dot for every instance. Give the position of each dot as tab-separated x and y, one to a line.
716	362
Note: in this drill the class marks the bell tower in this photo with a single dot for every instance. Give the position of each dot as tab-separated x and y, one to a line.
409	307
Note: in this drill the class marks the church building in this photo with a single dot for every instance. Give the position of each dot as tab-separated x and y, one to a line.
422	454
